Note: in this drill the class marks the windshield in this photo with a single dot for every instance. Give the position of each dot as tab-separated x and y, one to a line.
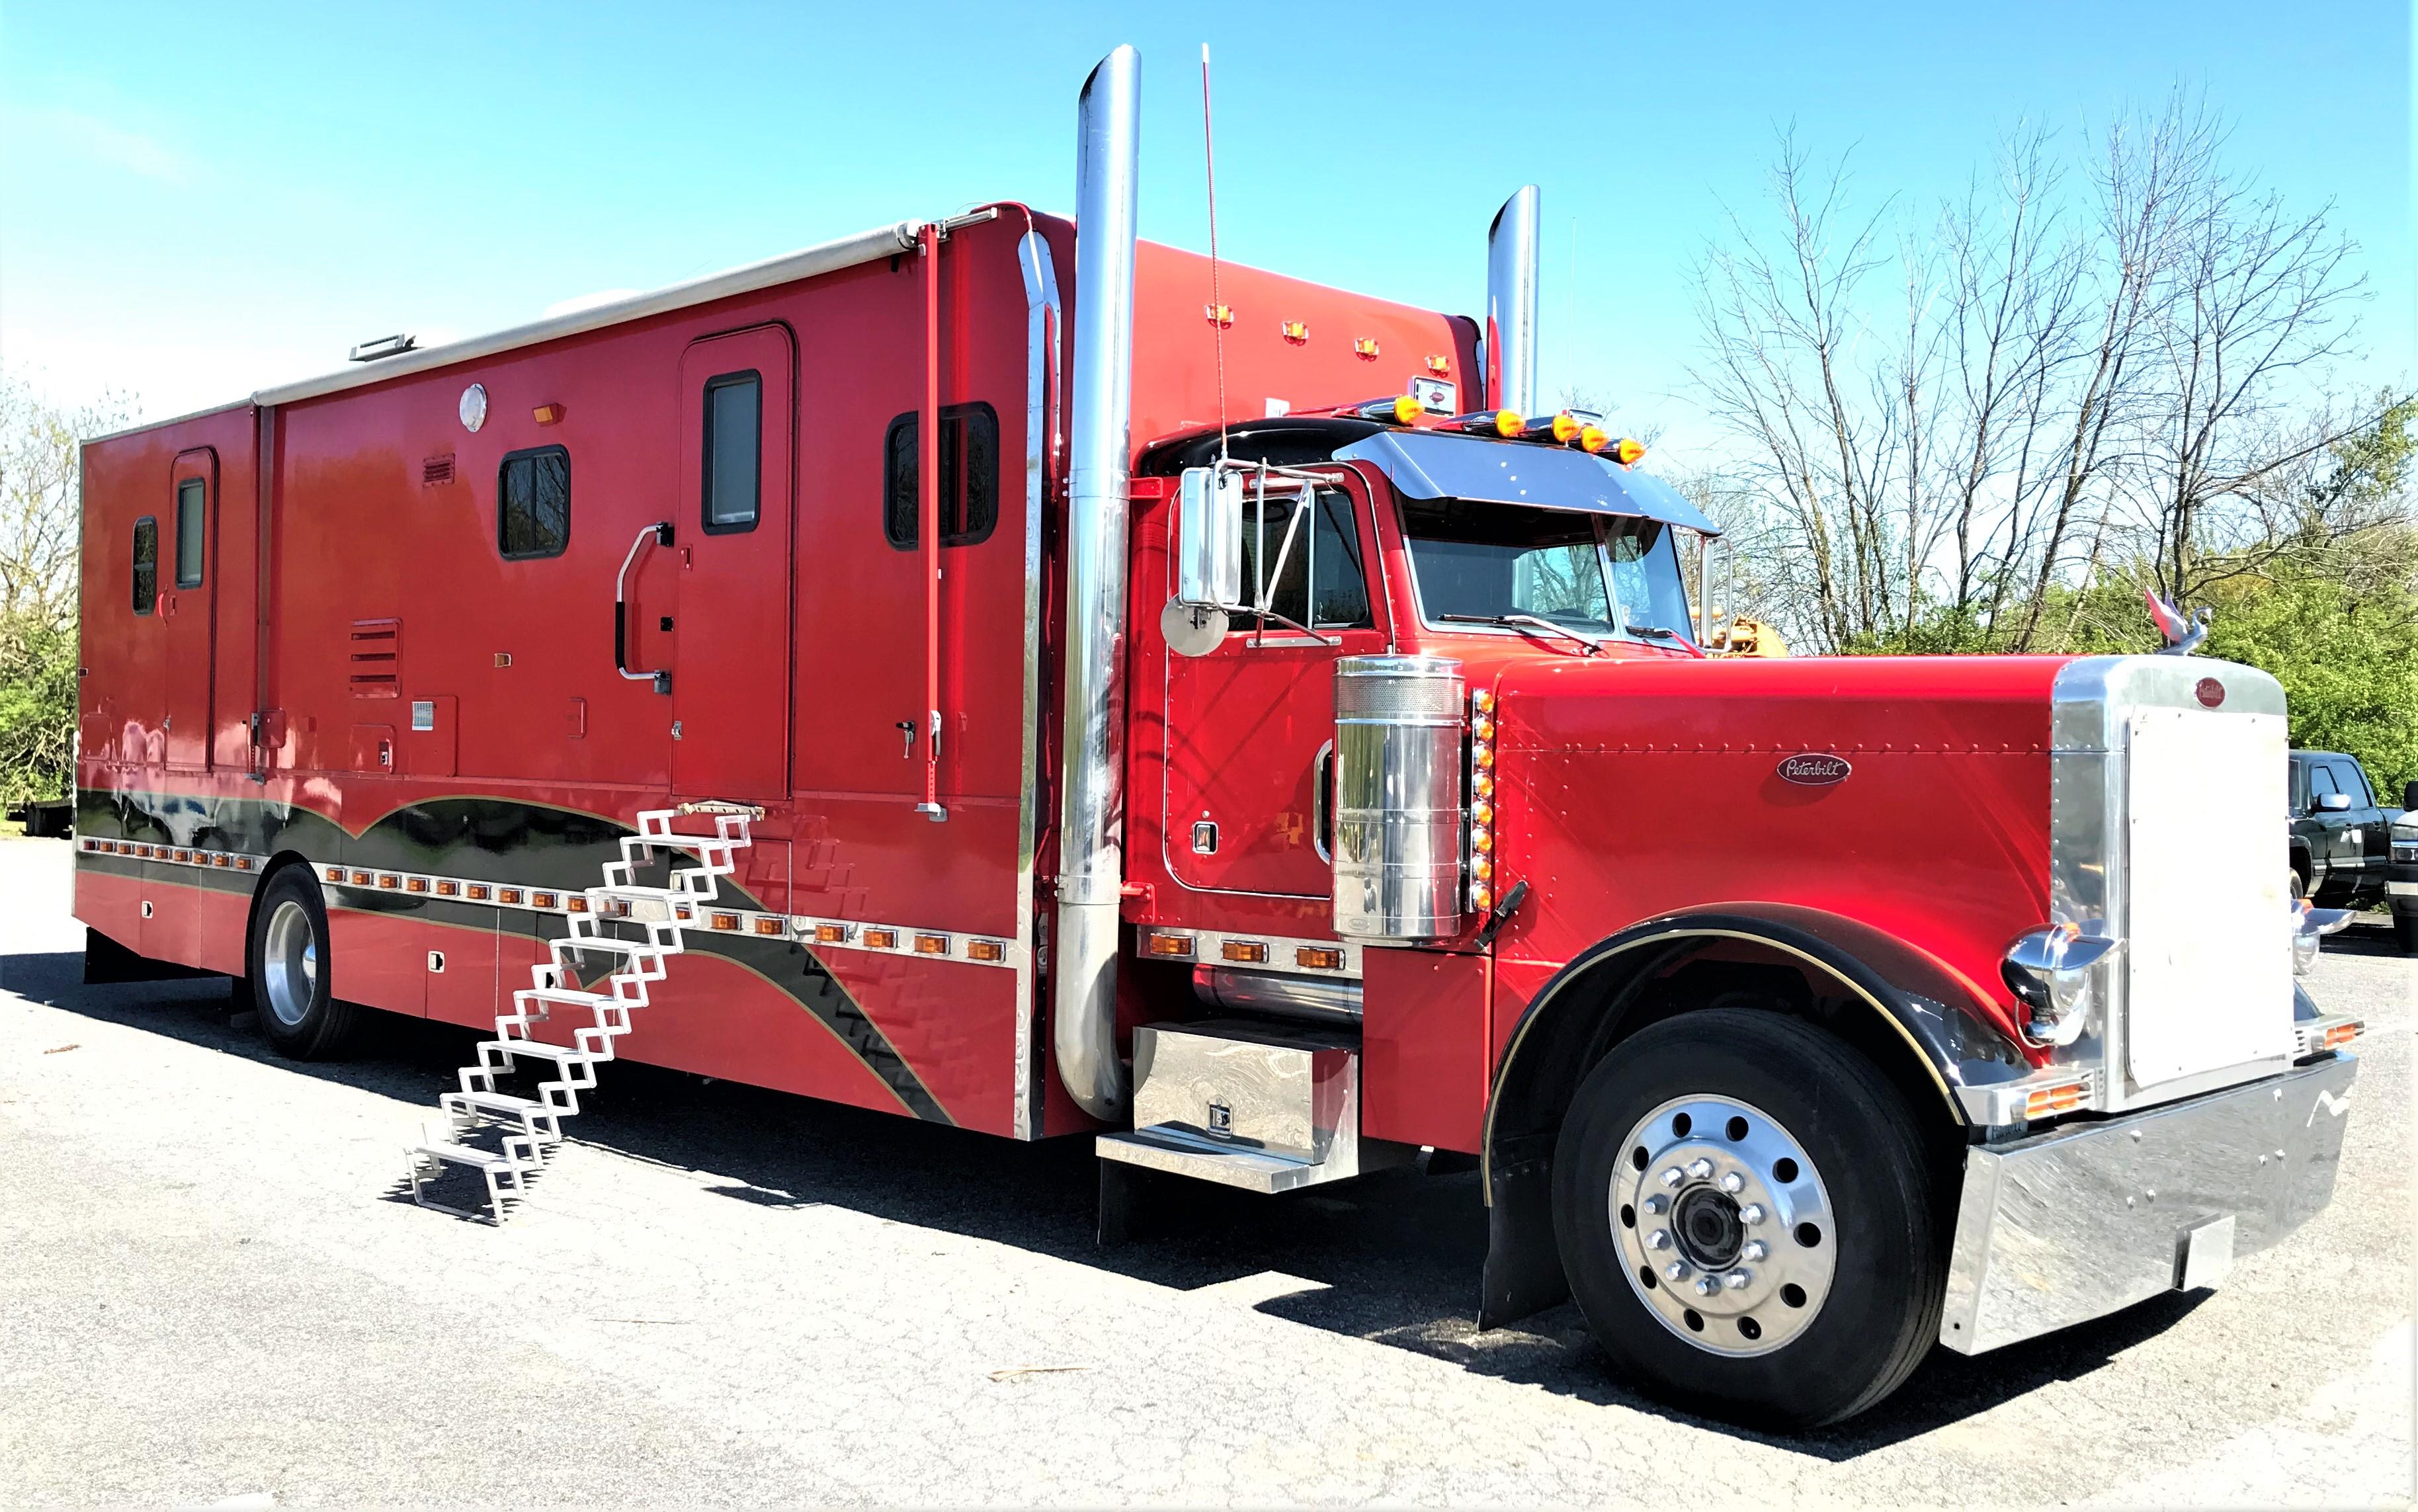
1602	577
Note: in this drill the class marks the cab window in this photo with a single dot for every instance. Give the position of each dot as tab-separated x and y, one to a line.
146	564
1318	581
2321	782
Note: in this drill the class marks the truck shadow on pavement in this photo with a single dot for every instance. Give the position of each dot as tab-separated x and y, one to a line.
1392	1258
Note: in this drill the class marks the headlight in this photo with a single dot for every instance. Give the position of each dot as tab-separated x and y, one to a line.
2405	852
2050	971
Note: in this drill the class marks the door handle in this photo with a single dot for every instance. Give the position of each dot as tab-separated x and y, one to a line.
1322	801
661	534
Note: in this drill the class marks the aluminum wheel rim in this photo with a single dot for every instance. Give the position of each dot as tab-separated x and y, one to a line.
1725	1224
289	967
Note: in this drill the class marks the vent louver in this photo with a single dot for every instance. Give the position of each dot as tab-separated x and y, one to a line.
374	656
437	470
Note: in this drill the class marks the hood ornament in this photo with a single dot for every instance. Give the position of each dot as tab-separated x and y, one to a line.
2183	634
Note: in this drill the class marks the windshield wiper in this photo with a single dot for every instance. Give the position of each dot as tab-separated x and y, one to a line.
1588	645
1656	630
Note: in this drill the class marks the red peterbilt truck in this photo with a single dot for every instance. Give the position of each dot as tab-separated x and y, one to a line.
1044	694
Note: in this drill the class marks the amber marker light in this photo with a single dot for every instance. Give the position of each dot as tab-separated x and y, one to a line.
1482	868
931	944
1592	440
831	934
722	920
1168	947
2063	1099
541	900
1220	316
1401	409
477	892
1482	700
1438	363
547	414
881	939
768	926
1247	951
510	894
1319	957
362	879
1297	330
1365	346
1628	452
390	881
578	903
985	950
1560	429
418	884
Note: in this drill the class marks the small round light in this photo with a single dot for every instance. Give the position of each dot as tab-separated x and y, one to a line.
1483	811
1407	409
1481	839
1483	701
1592	440
1483	784
1483	728
474	407
1508	423
1628	452
1564	427
1481	897
1483	757
1482	868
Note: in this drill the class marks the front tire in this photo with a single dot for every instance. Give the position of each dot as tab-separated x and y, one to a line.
286	960
1747	1217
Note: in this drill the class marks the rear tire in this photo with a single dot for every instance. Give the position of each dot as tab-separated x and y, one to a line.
1803	1206
288	965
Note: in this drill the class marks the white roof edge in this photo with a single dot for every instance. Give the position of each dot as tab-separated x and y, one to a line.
830	256
848	252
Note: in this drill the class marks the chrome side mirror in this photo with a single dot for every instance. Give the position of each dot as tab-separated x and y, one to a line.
1209	539
2333	802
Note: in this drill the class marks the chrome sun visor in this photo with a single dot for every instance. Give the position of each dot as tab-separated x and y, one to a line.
1433	464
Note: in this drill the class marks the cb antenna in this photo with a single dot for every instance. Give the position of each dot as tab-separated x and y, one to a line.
1216	307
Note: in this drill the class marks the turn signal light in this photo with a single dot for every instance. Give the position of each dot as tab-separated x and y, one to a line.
1173	947
2340	1034
2058	1099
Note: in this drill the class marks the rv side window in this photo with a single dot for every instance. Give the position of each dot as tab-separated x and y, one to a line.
969	476
734	424
533	503
192	524
146	564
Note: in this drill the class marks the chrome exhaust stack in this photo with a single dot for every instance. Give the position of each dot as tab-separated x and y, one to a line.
1514	259
1090	830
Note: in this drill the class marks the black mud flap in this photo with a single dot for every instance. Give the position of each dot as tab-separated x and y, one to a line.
1523	1262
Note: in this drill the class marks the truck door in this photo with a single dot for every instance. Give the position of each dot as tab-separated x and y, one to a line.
2368	843
187	567
1251	724
730	660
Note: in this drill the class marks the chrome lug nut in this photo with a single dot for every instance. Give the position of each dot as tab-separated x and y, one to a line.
1754	1250
1751	1213
1658	1238
1706	1286
1675	1271
1673	1177
1700	1169
1657	1203
1738	1280
1733	1182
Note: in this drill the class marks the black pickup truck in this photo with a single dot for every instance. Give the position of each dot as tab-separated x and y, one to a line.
2341	840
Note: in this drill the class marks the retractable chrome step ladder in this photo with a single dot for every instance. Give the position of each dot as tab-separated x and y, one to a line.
533	1125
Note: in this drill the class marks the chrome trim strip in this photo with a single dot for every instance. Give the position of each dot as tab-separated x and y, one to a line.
1041	325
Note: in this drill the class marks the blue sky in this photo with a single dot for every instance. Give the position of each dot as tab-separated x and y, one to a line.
195	205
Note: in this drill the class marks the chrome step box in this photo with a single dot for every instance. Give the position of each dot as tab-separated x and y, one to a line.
1263	1107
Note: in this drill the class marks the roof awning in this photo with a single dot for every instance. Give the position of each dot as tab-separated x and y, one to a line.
1437	465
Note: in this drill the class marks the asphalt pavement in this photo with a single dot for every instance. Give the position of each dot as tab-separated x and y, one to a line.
211	1291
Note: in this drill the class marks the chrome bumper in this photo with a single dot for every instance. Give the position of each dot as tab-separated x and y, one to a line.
2076	1223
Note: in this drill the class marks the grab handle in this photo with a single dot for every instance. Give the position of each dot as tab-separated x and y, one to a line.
661	533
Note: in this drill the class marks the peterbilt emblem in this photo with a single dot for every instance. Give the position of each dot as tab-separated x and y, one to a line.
1814	770
2210	692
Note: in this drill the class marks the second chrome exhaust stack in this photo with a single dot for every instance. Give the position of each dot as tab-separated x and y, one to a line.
1514	256
1091	829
